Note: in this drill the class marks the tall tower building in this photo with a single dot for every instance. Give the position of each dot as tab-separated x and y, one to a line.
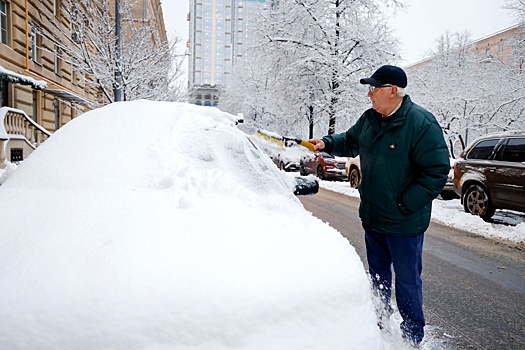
219	35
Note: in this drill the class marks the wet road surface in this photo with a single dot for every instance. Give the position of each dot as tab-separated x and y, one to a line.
474	287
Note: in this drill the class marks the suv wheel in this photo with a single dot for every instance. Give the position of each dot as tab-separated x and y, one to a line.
477	202
353	178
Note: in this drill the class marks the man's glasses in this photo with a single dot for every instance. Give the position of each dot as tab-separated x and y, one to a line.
373	88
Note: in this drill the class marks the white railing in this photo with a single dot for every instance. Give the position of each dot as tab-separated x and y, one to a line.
16	125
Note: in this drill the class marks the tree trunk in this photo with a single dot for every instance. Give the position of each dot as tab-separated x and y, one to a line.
331	116
310	122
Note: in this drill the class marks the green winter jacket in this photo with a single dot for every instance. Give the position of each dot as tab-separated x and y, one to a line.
404	165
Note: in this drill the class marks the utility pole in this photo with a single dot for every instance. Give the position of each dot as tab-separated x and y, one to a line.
118	73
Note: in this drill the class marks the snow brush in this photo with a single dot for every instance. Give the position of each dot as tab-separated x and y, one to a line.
303	143
283	140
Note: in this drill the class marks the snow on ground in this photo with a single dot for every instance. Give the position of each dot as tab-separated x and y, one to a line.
507	225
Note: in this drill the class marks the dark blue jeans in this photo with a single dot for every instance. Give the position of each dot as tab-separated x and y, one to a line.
404	253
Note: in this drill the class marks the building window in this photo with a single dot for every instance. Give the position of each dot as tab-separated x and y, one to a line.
3	22
487	52
57	60
198	10
17	155
4	96
198	78
35	106
207	63
34	38
56	110
56	7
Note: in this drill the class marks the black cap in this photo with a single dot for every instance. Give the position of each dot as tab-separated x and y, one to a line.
387	75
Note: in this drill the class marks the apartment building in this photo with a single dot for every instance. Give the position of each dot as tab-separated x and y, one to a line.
497	45
35	76
220	33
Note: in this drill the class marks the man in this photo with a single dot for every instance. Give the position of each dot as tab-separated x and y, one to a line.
404	165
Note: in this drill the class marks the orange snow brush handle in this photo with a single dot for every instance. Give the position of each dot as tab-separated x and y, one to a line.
306	144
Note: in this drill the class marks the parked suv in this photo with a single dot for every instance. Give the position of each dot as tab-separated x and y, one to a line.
490	174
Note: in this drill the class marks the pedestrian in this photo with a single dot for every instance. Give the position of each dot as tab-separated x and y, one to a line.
404	166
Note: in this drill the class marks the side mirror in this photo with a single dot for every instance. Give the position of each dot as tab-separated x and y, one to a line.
306	185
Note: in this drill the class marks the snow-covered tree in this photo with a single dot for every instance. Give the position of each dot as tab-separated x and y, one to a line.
517	8
469	95
315	51
148	64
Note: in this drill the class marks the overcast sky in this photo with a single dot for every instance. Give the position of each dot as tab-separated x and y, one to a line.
418	27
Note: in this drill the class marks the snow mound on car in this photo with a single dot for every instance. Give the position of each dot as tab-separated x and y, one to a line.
150	225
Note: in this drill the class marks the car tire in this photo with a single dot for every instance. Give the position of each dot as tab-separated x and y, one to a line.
302	172
320	172
477	202
354	178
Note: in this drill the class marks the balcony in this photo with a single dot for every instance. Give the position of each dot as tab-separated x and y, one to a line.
19	136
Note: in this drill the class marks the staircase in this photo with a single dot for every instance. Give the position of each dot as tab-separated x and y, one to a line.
19	136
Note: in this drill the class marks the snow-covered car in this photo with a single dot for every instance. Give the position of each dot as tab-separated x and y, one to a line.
289	158
325	166
158	225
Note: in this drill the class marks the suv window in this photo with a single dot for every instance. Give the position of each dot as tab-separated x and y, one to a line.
514	151
483	149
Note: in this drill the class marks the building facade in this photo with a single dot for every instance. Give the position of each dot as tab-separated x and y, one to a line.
28	53
498	45
35	76
220	34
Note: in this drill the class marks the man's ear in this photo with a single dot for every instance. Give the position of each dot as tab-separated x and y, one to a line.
393	92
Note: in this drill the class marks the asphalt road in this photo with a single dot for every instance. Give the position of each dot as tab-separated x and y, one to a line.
474	287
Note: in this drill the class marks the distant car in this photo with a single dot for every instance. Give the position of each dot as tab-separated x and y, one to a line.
448	192
353	171
289	158
324	165
490	174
